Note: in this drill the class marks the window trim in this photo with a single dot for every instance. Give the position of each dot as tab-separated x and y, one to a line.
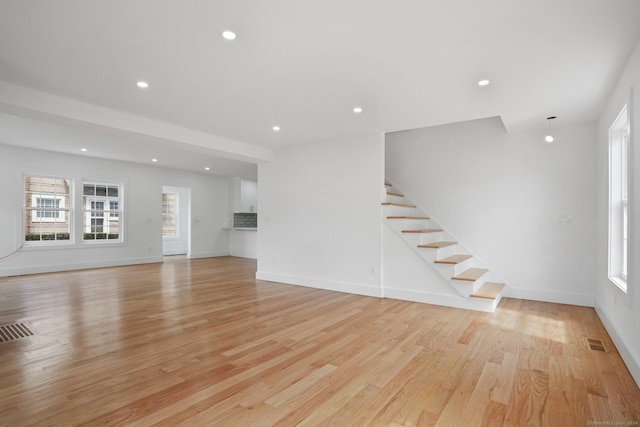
66	212
619	146
61	209
108	215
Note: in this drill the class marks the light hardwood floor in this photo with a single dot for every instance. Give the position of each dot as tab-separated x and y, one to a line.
203	343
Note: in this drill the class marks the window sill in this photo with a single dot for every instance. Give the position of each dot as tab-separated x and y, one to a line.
50	244
101	243
71	245
620	283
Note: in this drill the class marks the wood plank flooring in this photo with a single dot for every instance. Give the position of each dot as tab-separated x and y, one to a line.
203	342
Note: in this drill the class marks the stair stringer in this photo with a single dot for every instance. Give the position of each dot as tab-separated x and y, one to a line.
464	289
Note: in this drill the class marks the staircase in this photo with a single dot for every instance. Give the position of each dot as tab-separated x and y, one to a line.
478	288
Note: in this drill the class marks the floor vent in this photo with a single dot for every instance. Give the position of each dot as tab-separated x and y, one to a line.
595	344
15	332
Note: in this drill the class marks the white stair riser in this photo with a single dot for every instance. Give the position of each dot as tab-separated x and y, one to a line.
478	283
451	270
395	199
408	224
447	251
426	238
484	304
465	288
415	239
474	286
391	210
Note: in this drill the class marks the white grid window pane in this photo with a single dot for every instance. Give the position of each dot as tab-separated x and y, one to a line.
102	214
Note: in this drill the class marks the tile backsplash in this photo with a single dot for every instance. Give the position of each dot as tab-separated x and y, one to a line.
242	220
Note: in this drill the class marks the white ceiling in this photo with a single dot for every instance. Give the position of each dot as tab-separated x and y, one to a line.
304	65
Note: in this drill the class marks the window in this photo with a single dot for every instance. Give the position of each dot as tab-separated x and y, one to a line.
102	218
47	209
169	215
113	209
619	142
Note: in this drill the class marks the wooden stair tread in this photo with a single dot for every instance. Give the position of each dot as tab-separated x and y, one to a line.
426	230
389	193
437	245
470	275
453	259
387	184
407	217
404	205
489	290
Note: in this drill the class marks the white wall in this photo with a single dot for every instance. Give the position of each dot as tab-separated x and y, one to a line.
243	243
620	312
179	244
502	196
320	215
142	202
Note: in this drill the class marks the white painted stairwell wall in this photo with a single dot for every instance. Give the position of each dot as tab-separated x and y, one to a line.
503	196
319	216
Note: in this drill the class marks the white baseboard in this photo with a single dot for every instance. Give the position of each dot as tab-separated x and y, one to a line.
36	269
329	285
630	359
584	300
247	256
211	254
478	304
352	288
170	253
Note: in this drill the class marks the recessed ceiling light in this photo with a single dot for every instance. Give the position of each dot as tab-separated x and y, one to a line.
549	139
207	168
229	35
84	150
154	160
357	110
142	84
276	128
483	82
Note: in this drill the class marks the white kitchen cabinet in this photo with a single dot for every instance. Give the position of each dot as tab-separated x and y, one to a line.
245	195
248	196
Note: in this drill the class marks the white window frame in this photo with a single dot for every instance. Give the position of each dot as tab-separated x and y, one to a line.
114	213
65	213
90	210
60	210
619	148
108	214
